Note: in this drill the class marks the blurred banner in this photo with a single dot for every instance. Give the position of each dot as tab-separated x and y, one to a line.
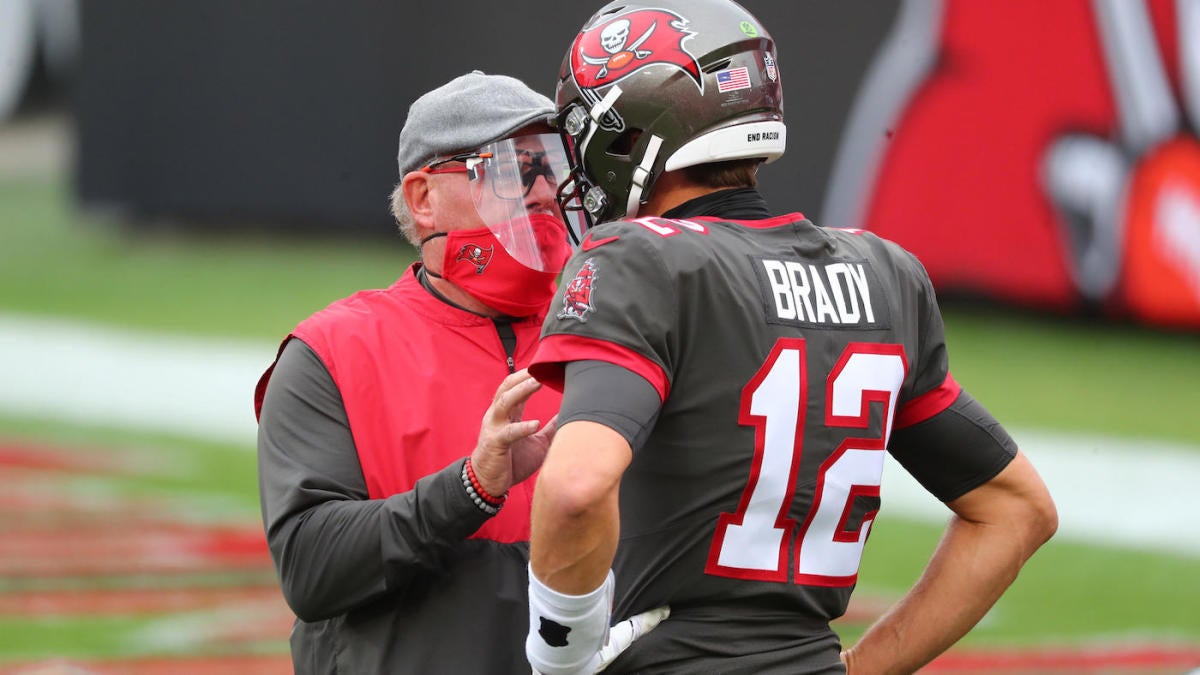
1036	152
287	112
37	38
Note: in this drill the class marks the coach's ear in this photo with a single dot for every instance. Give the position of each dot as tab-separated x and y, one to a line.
421	198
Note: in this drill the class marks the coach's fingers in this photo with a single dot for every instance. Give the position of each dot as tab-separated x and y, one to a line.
512	381
512	395
546	434
518	430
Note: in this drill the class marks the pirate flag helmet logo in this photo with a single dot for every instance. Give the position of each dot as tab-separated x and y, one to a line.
577	298
620	46
477	255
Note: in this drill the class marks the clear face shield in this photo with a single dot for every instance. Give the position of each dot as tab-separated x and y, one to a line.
514	185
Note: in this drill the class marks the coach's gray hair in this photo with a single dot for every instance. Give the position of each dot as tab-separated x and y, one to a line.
404	218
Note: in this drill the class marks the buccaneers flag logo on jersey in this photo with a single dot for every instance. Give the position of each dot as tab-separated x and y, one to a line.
577	298
619	47
476	255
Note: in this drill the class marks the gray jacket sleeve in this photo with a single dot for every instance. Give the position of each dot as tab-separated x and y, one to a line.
334	548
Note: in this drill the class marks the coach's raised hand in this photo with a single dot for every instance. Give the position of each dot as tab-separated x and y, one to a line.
510	449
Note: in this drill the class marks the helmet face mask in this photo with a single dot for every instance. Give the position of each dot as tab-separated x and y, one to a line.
652	88
583	204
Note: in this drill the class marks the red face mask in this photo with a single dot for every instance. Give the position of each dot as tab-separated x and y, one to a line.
478	263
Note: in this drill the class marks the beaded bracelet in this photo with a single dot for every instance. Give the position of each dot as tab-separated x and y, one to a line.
486	502
483	506
494	501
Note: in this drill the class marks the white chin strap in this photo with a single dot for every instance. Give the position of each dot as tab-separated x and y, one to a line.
596	112
641	176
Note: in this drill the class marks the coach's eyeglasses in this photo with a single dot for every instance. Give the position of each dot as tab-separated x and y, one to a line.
509	179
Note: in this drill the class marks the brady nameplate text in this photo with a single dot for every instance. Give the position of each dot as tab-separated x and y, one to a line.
828	293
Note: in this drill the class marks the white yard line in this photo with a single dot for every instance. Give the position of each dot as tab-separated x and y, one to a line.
91	374
1124	492
34	147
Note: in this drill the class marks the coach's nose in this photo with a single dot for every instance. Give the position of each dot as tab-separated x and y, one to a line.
542	197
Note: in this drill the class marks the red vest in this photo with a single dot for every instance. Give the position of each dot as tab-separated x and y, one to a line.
416	376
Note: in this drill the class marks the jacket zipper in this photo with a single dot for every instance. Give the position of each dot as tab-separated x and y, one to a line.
508	338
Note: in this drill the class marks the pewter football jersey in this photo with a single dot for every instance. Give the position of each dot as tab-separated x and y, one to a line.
784	355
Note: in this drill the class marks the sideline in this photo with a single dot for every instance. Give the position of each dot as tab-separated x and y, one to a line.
1124	492
85	373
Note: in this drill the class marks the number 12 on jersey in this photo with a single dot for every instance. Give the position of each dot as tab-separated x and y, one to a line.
754	541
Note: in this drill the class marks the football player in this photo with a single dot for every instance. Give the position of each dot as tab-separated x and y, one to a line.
733	381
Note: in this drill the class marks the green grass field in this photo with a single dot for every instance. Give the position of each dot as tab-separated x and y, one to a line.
1033	371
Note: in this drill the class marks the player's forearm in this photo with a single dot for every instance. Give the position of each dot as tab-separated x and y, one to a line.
972	566
572	545
575	520
573	540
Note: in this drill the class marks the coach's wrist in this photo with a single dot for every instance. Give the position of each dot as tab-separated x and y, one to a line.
493	473
483	498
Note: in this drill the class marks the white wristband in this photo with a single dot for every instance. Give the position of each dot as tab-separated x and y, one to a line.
566	632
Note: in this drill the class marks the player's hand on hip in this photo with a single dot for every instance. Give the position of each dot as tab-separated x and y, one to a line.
503	434
622	635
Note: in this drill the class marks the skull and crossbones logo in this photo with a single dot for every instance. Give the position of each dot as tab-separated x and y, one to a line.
615	40
617	47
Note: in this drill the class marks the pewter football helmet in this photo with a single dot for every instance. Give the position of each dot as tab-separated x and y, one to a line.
648	87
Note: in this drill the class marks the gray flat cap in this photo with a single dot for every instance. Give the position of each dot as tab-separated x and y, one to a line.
469	111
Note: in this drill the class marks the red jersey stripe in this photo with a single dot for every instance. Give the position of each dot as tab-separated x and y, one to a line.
928	404
776	221
554	350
